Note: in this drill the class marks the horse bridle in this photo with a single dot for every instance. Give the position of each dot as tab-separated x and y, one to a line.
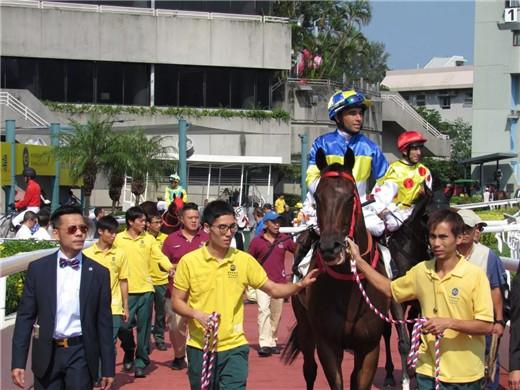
356	213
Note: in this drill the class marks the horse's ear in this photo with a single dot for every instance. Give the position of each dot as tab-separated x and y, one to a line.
321	159
348	160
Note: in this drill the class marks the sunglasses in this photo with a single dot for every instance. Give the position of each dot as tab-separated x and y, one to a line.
74	228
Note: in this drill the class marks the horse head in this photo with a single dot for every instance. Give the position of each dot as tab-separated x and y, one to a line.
170	219
338	207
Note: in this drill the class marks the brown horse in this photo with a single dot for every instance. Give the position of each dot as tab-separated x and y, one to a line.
331	314
170	218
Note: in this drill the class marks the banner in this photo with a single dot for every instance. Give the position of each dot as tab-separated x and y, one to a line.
35	156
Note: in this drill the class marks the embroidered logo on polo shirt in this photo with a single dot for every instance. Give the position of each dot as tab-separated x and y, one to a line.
280	245
113	258
455	292
232	273
454	297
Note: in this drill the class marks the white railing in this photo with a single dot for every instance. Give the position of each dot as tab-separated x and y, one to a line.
403	104
16	105
490	204
139	11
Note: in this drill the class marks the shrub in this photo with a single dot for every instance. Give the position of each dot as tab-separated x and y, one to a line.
16	281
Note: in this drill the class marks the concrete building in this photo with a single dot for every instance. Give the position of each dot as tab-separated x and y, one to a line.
217	59
444	84
496	100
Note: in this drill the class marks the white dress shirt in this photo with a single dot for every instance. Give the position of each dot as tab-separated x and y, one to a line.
42	234
23	233
68	281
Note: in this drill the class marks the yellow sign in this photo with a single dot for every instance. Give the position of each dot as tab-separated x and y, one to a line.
35	156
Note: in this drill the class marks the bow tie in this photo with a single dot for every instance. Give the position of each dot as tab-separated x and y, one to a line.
74	263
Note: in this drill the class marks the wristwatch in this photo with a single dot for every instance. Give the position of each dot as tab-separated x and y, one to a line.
501	322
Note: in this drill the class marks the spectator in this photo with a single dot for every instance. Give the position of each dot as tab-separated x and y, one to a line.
269	249
517	193
114	259
43	220
454	296
213	279
191	236
159	281
484	258
242	222
72	200
65	312
486	195
98	214
258	214
286	217
142	252
161	205
267	207
279	204
30	219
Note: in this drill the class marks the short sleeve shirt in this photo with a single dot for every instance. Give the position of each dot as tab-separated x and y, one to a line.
462	294
274	264
218	286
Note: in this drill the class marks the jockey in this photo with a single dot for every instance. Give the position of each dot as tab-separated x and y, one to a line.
174	192
346	109
395	194
32	198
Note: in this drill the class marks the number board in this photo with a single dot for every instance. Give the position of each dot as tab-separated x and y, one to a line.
511	15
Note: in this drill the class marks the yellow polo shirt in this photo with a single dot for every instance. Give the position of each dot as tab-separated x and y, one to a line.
115	260
159	277
141	252
462	294
215	286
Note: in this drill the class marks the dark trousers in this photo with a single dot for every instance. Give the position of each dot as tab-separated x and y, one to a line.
229	369
117	320
140	314
158	306
68	370
427	383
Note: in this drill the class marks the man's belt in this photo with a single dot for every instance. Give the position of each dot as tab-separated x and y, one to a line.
68	342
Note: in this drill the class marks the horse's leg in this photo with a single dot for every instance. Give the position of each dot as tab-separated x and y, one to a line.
403	342
331	356
389	365
365	366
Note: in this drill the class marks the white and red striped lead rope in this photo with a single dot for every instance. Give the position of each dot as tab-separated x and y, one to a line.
209	351
416	333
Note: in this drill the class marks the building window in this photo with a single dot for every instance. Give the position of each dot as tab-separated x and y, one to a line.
468	99
445	101
516	38
136	83
217	87
109	83
80	85
515	89
20	73
420	100
512	3
243	89
191	86
166	85
52	80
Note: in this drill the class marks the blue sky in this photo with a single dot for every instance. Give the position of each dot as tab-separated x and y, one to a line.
415	31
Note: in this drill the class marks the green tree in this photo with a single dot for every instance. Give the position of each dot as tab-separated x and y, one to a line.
84	149
145	153
460	136
332	30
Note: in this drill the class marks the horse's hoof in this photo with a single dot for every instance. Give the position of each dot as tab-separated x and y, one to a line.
389	382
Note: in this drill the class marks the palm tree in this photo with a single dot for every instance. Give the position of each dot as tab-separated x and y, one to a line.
84	150
145	152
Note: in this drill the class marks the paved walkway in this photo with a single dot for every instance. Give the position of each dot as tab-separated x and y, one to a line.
264	373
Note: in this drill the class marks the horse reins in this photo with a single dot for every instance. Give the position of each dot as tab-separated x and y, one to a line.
209	351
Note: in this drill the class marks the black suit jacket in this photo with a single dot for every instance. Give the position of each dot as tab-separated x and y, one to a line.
514	341
38	304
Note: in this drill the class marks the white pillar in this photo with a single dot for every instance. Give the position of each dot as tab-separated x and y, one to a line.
152	85
209	183
146	188
241	186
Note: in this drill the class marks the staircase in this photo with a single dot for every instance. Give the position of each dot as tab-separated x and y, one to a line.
399	115
11	105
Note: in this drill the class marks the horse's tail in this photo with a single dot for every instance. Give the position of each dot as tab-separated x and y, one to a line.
292	348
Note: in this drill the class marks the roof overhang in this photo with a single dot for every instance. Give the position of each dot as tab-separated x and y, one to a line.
489	157
205	159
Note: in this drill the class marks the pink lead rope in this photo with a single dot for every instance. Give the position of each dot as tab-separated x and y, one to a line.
209	351
416	333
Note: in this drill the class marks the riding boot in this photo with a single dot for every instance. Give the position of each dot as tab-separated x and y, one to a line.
304	245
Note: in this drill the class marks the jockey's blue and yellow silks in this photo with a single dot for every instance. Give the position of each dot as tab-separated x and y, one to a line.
370	161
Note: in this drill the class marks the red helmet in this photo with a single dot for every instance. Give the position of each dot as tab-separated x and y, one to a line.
409	138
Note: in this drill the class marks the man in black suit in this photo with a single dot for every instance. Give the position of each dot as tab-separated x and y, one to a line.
514	340
65	307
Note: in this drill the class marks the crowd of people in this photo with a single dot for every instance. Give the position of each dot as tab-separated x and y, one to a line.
139	283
